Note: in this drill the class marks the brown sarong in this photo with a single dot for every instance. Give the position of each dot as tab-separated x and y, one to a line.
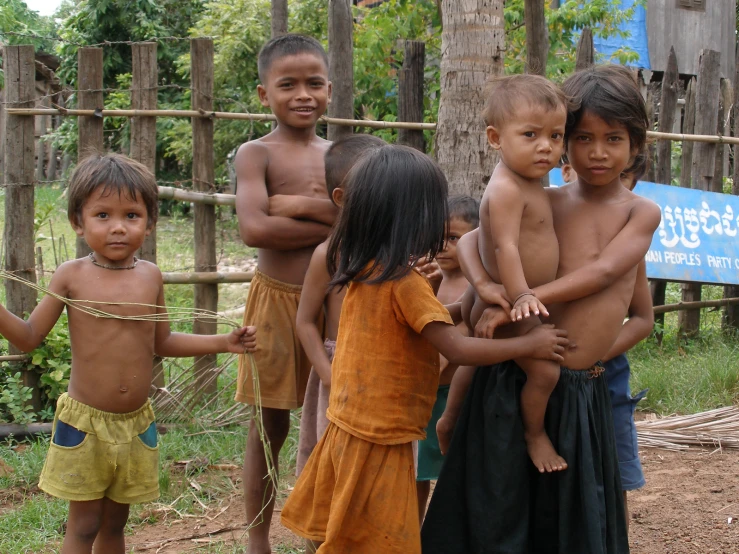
282	365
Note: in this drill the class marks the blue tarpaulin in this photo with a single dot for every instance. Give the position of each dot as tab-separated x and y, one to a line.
636	41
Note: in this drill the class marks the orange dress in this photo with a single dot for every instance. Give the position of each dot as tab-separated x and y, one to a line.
357	492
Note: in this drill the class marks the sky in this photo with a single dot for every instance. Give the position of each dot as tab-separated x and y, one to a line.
43	7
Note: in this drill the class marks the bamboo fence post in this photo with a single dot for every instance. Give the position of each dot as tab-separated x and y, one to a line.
279	19
90	86
537	37
20	91
703	163
144	143
203	175
410	92
144	129
651	103
340	65
725	100
40	125
688	127
585	56
731	313
670	82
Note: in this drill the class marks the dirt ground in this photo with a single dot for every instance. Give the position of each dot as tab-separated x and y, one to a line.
690	505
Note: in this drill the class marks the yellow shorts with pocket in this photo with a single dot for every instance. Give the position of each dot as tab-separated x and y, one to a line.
95	454
282	366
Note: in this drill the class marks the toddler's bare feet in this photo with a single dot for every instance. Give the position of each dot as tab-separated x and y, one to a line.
444	432
543	454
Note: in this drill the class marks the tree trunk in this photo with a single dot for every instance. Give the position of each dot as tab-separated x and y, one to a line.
473	47
279	17
340	66
537	37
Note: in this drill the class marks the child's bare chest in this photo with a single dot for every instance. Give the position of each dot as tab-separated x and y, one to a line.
299	172
115	295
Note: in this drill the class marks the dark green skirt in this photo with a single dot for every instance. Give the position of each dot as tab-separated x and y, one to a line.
491	499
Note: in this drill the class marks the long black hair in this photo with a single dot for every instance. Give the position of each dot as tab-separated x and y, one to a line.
394	213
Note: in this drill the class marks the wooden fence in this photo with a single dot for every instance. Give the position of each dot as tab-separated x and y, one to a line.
17	134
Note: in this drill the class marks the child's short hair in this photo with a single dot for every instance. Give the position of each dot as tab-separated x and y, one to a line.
611	93
394	212
287	45
465	208
505	94
343	154
115	173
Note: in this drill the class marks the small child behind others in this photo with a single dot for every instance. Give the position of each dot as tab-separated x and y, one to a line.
104	454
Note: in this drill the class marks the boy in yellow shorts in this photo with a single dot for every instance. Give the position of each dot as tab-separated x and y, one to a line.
103	454
283	210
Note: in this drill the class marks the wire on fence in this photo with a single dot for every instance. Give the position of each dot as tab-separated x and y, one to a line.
98	44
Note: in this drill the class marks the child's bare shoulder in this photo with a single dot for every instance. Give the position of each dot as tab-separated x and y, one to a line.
646	208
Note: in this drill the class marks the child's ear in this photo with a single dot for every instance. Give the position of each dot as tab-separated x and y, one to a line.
338	196
76	226
262	93
330	90
493	137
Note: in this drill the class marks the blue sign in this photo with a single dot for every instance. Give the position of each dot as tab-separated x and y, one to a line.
697	238
636	36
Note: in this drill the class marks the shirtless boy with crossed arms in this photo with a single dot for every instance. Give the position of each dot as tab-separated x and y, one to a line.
284	211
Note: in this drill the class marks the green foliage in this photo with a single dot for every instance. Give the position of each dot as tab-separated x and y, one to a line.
16	17
565	23
52	361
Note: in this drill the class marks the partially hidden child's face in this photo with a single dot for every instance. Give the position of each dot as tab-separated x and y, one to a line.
296	89
531	142
113	225
447	258
599	151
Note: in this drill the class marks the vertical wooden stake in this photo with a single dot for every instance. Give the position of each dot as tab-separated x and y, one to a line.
704	160
410	93
731	313
585	56
20	92
90	85
340	65
670	82
144	129
279	17
203	175
537	37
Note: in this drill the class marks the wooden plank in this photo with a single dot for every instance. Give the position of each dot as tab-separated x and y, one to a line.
410	92
90	97
703	163
144	129
279	17
585	56
670	83
340	65
537	37
203	174
20	91
730	320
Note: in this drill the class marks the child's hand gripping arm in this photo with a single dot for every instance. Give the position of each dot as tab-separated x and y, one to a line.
505	207
624	252
470	262
641	317
312	297
27	335
256	226
321	210
183	345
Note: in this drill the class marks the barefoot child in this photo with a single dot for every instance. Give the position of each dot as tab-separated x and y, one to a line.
604	231
103	454
526	116
464	216
357	491
283	210
318	303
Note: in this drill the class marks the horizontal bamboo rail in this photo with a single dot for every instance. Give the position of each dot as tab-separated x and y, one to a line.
695	305
207	277
217	115
14	358
679	137
199	197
